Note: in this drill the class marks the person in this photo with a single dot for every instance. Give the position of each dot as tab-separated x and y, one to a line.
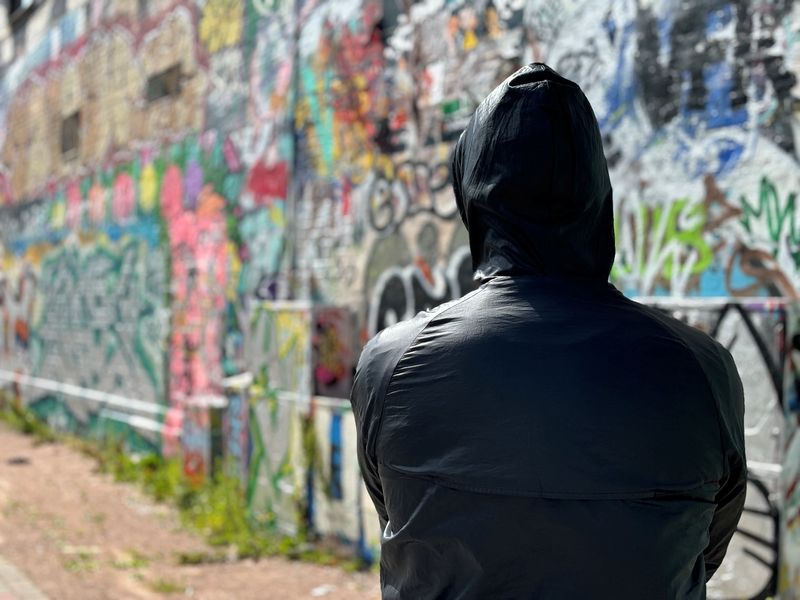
544	436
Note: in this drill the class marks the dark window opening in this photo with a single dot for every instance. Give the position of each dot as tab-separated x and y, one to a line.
71	135
163	84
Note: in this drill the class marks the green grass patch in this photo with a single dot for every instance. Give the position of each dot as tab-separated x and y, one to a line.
165	586
132	559
24	420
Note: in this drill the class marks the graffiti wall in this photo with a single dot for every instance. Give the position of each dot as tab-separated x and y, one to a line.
193	192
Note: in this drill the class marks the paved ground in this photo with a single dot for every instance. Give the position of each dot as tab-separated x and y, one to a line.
15	586
78	535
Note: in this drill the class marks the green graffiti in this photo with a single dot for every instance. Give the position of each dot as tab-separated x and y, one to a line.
691	239
662	237
777	214
103	322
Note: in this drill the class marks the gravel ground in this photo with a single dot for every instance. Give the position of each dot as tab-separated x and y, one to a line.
78	535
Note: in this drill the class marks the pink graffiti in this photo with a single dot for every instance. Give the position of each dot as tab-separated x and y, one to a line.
172	193
97	203
231	156
198	246
124	197
73	205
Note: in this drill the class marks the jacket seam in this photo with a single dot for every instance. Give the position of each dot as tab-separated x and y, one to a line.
448	482
399	360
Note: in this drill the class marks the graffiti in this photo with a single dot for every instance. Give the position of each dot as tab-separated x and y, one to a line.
329	227
276	469
662	244
196	443
17	297
411	187
221	24
103	322
26	224
584	65
277	348
236	433
402	292
777	220
227	91
444	62
426	279
57	411
263	240
340	98
707	49
334	356
336	495
198	248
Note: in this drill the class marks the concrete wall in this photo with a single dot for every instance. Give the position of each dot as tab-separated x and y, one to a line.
260	185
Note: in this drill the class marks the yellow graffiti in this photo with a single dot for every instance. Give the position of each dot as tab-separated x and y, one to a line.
148	188
58	215
234	270
221	24
293	333
276	215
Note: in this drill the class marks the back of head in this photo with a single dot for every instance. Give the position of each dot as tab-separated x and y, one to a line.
531	181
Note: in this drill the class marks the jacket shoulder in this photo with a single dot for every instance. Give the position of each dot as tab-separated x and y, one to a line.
375	368
378	361
720	371
381	354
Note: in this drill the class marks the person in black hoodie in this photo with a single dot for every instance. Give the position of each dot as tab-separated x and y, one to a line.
543	436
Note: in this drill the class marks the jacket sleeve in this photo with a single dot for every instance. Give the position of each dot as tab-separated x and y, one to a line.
730	498
366	402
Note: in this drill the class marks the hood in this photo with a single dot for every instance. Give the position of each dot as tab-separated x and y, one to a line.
531	181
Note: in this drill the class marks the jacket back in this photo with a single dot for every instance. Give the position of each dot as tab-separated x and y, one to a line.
544	436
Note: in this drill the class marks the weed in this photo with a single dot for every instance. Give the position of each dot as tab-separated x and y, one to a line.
133	559
165	586
12	506
82	559
200	558
25	421
80	564
97	518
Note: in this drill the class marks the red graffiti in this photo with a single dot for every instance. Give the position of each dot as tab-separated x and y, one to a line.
267	182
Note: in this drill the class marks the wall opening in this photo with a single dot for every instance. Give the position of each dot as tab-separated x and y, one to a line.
71	135
164	84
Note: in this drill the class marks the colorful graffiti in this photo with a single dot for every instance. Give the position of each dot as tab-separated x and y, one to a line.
103	322
299	441
333	352
194	191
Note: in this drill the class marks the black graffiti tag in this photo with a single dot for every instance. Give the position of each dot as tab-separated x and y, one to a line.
415	188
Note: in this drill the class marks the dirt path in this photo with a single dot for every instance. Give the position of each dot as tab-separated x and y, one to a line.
78	535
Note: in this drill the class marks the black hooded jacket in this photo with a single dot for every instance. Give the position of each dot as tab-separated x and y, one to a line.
544	436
